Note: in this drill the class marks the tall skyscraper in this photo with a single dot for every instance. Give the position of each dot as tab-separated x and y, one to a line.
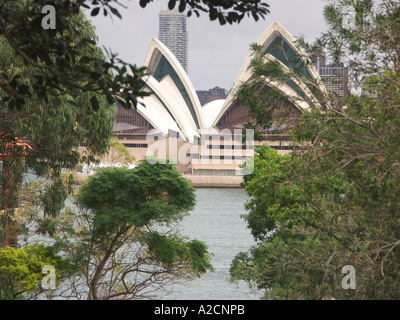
334	76
173	33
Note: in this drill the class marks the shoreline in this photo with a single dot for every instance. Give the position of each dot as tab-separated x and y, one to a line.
195	181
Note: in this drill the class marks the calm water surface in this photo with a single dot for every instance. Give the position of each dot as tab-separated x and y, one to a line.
216	221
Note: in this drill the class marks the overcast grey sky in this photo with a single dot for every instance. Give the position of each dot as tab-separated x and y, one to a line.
216	53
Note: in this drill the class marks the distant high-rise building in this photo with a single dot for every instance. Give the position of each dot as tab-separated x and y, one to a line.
334	76
173	33
215	93
320	61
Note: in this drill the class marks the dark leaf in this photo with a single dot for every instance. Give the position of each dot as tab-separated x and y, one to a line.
182	6
110	98
115	12
171	4
143	3
95	11
213	14
24	89
56	102
95	103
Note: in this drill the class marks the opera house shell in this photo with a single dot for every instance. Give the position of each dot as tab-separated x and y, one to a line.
174	111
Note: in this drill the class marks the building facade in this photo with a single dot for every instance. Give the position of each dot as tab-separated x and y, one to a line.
216	93
334	76
206	141
173	33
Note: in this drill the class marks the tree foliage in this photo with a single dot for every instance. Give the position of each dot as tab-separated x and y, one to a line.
336	201
21	270
54	53
122	240
117	154
225	11
53	127
57	88
56	56
57	91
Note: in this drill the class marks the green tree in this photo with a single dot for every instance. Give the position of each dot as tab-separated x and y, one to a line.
123	241
53	129
335	202
58	89
21	271
58	92
225	11
117	153
53	53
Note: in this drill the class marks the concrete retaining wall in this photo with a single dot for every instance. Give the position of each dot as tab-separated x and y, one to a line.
214	181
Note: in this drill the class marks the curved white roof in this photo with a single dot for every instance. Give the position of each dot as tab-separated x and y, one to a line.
156	114
155	52
175	105
211	111
270	34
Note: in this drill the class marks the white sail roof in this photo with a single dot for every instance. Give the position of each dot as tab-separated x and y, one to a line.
175	105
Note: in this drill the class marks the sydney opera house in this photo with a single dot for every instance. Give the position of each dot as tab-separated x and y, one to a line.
206	141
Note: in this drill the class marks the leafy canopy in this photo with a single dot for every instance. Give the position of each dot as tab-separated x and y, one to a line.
127	233
334	201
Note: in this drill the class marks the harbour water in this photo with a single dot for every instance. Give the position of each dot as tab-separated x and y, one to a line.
217	221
